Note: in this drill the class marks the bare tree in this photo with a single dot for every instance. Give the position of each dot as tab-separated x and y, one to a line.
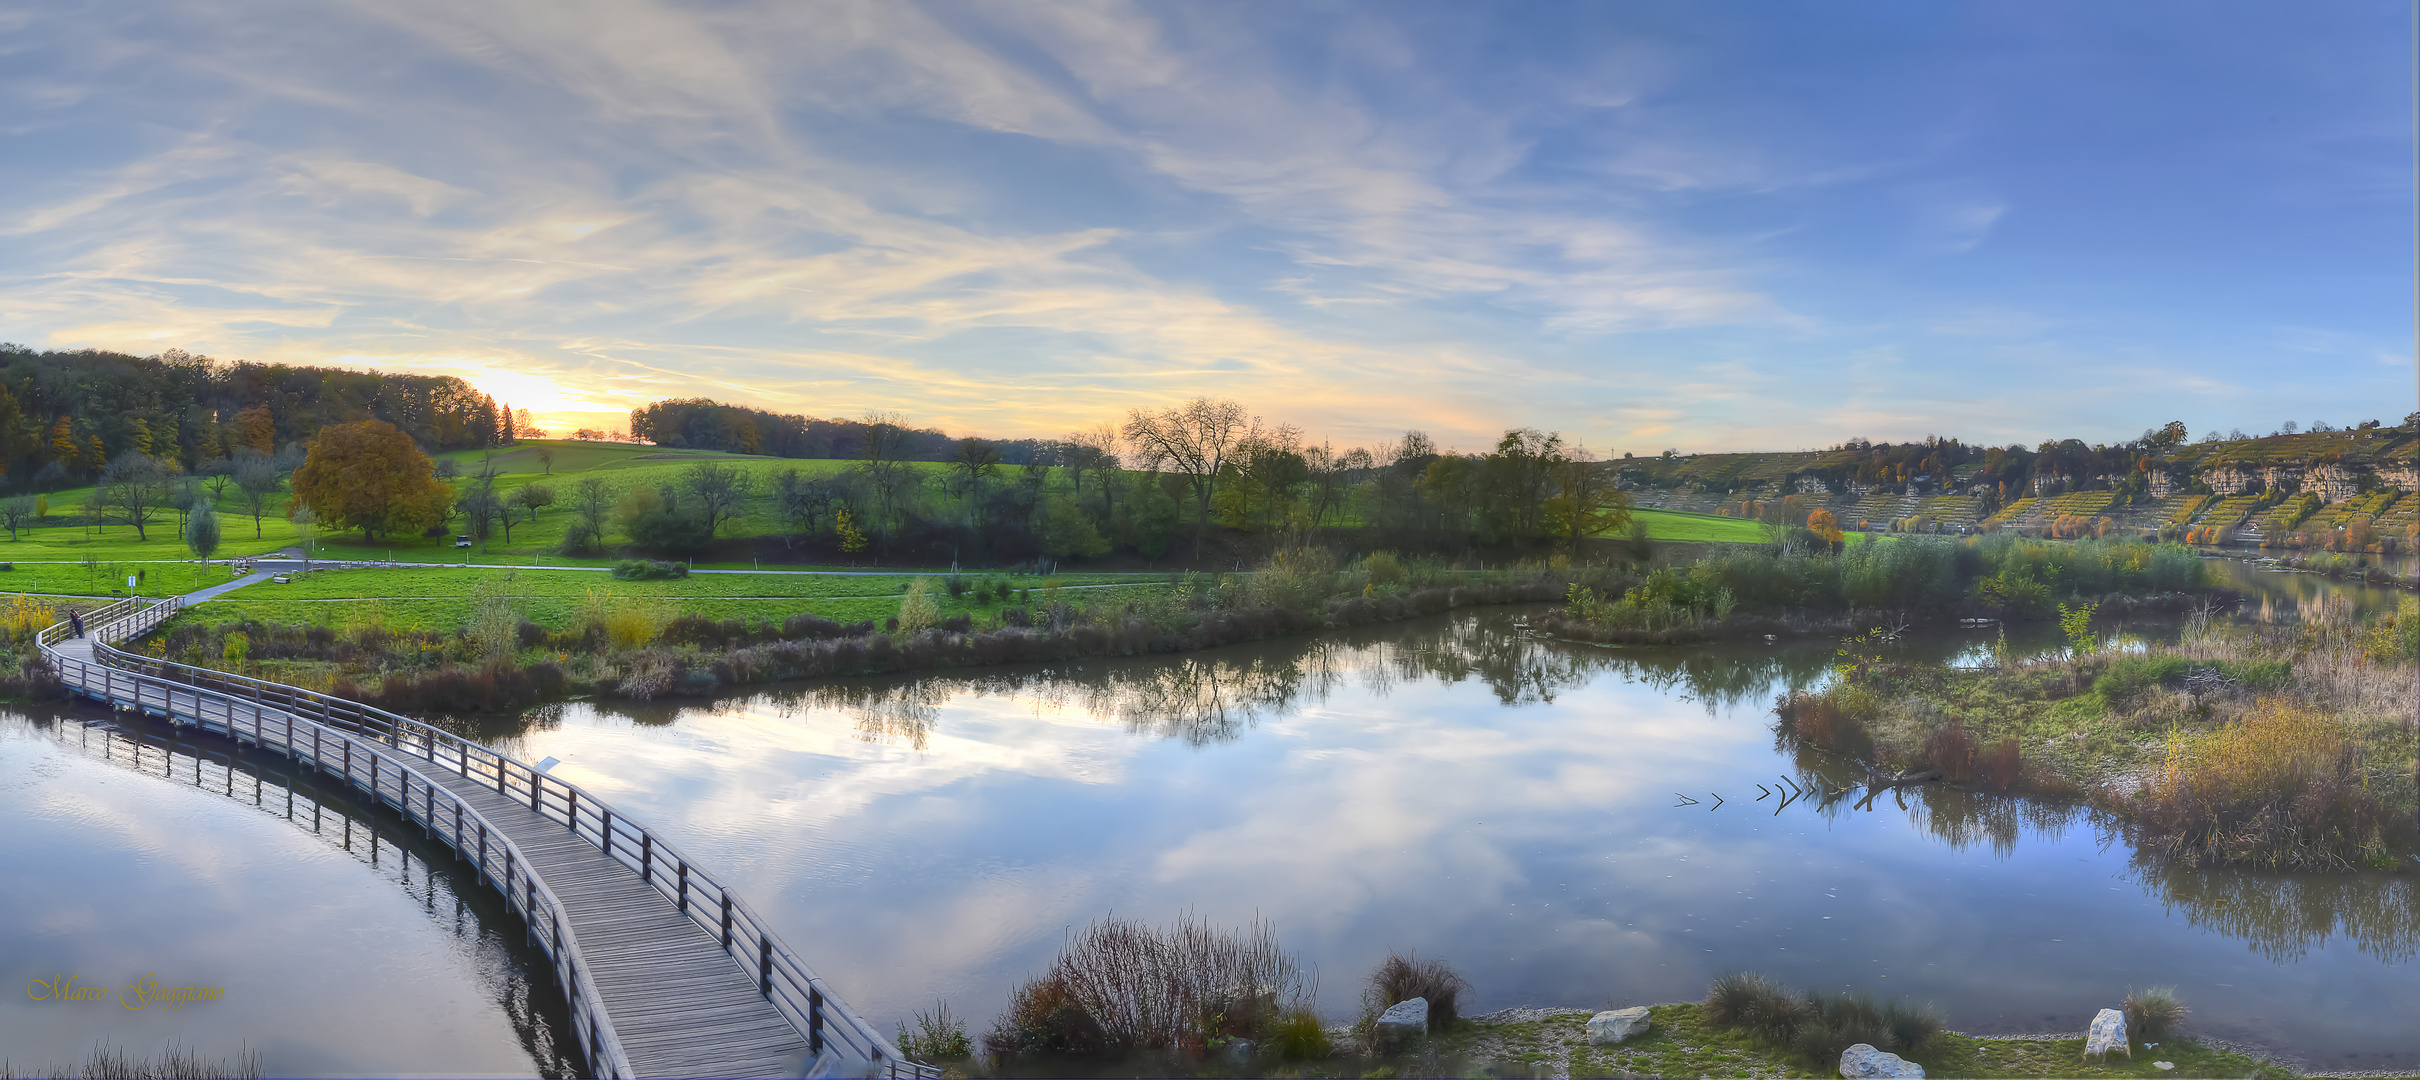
1194	441
258	480
1096	451
974	461
591	501
884	466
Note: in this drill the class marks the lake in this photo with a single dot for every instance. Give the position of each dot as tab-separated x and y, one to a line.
1566	825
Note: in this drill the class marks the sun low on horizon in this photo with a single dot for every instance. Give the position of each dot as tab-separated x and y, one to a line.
1649	226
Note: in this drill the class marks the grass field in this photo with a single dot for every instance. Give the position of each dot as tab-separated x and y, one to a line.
440	599
1680	527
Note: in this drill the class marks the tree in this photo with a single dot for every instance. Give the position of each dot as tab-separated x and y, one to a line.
535	496
974	461
446	468
480	508
202	531
216	474
1095	450
546	458
1192	440
137	485
369	476
1585	502
591	501
255	428
884	466
258	481
717	488
17	513
1824	526
802	502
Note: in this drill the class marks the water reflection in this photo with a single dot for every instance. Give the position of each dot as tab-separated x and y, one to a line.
1461	787
289	981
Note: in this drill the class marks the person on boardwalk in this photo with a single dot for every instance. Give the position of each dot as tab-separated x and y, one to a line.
75	624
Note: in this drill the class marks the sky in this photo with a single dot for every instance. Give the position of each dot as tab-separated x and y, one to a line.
1647	225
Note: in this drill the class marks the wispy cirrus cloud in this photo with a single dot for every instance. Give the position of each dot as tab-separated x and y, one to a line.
1019	218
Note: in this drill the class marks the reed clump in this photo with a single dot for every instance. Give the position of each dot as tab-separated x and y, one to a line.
1402	977
2153	1014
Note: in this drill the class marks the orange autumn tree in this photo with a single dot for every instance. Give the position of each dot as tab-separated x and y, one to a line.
371	477
1823	524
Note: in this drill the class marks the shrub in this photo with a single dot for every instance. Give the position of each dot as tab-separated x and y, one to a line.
1383	569
2152	1014
917	609
1950	749
938	1037
1044	1017
1299	1036
1402	978
956	585
2280	786
648	570
2131	675
579	541
1120	986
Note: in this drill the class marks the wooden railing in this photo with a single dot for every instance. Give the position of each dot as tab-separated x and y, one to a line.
794	989
375	770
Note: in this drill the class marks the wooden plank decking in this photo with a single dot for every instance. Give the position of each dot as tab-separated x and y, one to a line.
670	996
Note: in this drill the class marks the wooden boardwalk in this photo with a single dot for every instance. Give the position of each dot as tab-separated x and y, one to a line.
667	973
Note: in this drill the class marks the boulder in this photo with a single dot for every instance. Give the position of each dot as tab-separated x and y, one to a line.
1617	1025
2108	1033
2163	1066
1863	1061
1402	1022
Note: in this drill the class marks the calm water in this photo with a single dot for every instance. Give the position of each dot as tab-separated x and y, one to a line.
338	950
1450	786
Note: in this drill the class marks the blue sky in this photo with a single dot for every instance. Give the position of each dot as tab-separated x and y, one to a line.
1700	226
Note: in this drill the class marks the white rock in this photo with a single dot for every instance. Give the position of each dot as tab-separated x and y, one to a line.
1863	1061
1402	1022
1617	1025
2163	1066
2108	1033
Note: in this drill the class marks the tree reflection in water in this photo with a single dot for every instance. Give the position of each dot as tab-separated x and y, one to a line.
1217	696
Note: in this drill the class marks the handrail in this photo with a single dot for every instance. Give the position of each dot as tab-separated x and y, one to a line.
800	995
495	855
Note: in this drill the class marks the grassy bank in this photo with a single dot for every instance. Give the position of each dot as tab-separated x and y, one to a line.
1123	998
487	650
1736	592
2280	746
427	599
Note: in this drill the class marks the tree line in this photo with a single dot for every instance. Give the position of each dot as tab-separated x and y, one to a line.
68	417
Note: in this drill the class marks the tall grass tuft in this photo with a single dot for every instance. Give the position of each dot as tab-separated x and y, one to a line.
1757	1004
1401	978
2151	1014
1818	1025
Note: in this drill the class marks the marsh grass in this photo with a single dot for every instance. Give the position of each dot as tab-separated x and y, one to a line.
1402	977
2153	1014
174	1063
1814	1025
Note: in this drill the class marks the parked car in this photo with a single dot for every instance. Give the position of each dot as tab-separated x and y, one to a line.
462	541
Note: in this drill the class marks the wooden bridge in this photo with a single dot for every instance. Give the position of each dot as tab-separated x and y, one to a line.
667	973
